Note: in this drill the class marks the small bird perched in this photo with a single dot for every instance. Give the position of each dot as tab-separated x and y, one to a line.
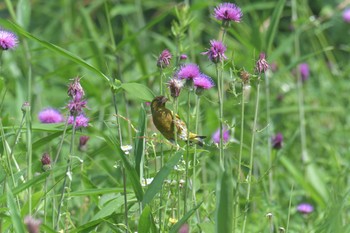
164	122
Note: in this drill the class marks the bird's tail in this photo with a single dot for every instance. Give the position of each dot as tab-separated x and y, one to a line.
198	139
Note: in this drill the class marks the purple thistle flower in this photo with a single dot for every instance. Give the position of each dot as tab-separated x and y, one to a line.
228	12
76	107
8	40
346	15
261	65
304	71
277	141
80	121
164	59
202	82
216	53
49	116
183	57
305	208
175	85
225	135
75	90
189	71
32	224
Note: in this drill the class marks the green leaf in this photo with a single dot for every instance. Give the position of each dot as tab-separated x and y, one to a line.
183	220
271	31
47	229
14	213
140	142
224	209
97	191
158	181
55	48
37	180
87	227
145	220
132	176
45	140
138	90
109	208
299	177
23	12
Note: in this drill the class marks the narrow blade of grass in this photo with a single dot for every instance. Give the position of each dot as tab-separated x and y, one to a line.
14	213
158	181
224	203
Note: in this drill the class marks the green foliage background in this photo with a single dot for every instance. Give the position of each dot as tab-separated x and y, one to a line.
103	40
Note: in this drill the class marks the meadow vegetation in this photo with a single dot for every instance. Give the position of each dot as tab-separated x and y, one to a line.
265	81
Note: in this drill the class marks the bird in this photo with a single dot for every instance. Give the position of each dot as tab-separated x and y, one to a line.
164	121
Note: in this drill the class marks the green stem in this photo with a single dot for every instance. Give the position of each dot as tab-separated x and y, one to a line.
236	213
198	101
220	95
123	168
289	207
254	131
187	149
62	140
68	175
29	155
45	199
269	134
304	154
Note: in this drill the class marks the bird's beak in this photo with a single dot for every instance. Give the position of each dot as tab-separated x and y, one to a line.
164	100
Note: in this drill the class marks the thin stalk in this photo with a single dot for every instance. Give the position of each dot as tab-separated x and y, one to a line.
289	207
111	36
269	122
62	140
238	182
220	95
251	160
29	124
45	199
68	174
7	162
161	155
11	157
198	101
304	154
29	155
187	149
175	108
161	74
123	168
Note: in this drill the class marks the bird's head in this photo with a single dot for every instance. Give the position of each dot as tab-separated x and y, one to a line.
159	101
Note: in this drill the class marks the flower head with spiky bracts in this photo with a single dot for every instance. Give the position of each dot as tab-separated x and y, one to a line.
188	71
202	82
80	121
261	65
216	52
225	136
228	12
175	86
164	59
8	40
49	116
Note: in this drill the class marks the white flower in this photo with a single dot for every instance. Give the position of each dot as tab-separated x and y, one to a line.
126	149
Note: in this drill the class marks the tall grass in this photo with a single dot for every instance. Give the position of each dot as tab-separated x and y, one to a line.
117	184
